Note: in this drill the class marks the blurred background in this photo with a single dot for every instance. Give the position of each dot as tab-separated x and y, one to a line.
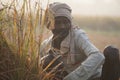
99	18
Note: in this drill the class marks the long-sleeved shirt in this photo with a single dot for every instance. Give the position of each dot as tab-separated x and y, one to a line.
83	61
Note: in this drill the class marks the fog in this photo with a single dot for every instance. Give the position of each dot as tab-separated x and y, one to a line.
87	7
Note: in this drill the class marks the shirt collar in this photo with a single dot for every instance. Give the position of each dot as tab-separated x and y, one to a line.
65	44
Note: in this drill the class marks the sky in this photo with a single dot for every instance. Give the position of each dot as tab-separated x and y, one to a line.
94	7
90	7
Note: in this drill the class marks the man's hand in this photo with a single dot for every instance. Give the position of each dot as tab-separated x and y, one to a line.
52	63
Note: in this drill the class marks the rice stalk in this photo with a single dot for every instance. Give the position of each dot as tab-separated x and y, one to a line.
21	36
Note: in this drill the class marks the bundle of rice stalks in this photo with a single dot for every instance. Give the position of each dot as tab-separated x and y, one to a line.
21	34
7	60
14	67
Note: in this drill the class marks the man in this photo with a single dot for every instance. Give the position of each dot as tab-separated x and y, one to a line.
82	60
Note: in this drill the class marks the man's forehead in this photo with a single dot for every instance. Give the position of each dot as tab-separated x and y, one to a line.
61	18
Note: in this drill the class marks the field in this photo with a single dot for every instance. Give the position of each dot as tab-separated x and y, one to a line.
102	31
22	31
100	40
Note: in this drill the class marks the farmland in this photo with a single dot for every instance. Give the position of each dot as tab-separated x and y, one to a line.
102	31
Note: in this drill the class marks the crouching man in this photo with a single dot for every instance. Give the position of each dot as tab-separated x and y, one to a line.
82	60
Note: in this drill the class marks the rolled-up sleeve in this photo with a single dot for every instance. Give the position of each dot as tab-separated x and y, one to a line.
92	64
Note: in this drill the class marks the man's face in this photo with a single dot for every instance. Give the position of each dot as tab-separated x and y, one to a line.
62	26
61	30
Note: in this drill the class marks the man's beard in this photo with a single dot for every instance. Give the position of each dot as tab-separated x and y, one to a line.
58	36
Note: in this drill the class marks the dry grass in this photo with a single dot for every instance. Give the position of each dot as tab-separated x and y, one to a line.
21	34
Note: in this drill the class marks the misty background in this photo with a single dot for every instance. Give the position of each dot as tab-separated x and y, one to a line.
99	18
94	7
85	7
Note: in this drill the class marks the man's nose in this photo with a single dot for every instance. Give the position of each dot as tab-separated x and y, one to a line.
62	25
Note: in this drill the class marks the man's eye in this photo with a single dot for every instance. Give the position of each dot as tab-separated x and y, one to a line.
57	22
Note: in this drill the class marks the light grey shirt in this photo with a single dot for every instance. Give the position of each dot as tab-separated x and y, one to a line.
82	59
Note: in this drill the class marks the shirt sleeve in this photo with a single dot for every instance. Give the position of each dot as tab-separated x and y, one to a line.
93	62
